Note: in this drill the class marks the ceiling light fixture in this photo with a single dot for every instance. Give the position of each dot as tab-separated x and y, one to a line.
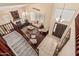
60	19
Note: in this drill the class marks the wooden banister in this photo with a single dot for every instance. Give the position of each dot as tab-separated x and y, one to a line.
4	49
77	35
62	43
6	28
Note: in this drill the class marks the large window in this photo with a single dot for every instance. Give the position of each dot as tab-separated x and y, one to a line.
36	16
67	14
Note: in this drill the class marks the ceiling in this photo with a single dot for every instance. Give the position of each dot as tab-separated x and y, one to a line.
10	4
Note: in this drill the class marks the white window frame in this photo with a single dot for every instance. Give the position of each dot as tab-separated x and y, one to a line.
66	15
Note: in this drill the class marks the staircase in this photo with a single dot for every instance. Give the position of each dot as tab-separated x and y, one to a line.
19	45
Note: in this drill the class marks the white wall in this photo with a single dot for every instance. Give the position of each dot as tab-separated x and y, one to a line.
5	15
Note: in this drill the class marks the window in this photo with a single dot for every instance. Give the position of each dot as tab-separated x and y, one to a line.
36	16
66	15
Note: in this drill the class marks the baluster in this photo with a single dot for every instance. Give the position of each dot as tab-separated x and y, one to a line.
1	33
3	29
11	25
7	28
77	44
